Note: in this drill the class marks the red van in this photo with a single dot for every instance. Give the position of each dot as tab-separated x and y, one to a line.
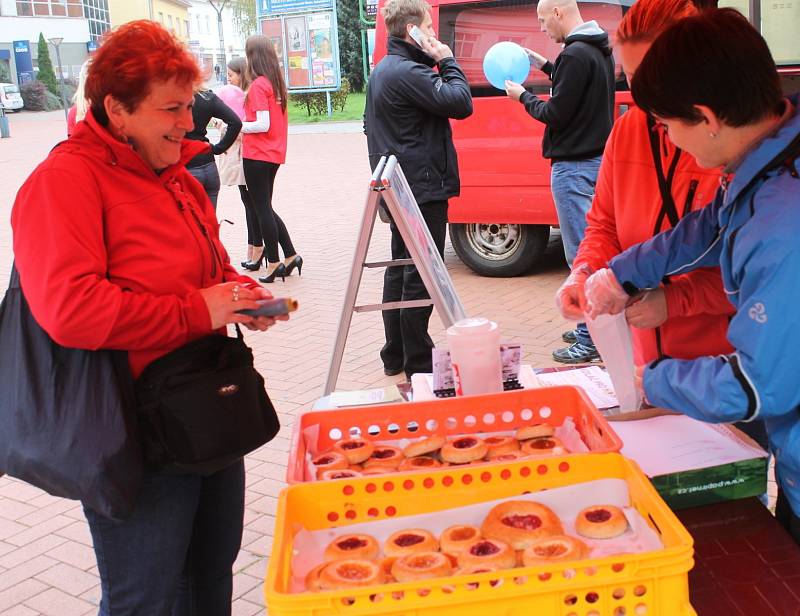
500	225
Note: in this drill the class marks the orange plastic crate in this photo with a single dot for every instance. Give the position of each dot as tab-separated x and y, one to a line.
449	416
650	583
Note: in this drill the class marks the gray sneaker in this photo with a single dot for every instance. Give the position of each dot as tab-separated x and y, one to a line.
570	336
577	354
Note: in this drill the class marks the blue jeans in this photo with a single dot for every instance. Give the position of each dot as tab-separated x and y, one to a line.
572	183
208	176
173	556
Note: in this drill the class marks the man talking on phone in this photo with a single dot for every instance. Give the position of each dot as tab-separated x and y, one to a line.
407	114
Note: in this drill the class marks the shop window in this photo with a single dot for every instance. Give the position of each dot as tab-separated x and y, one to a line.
24	8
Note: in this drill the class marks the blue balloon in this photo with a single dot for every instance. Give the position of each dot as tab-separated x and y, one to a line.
506	60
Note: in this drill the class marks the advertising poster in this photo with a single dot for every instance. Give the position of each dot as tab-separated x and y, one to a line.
272	28
323	70
297	52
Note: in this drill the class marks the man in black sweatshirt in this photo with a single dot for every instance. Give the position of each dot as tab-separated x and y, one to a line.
407	111
578	119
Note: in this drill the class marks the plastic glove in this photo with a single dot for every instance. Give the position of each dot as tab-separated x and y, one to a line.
638	381
649	311
537	59
604	294
570	299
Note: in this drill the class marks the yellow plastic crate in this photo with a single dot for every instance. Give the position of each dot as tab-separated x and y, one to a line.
650	583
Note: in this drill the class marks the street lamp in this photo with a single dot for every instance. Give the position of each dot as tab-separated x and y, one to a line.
219	9
56	42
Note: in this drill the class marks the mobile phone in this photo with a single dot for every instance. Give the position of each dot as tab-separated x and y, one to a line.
417	35
272	307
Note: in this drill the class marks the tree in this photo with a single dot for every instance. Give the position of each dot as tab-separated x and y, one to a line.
244	16
350	53
46	74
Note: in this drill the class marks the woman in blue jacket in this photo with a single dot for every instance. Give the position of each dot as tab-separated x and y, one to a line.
727	110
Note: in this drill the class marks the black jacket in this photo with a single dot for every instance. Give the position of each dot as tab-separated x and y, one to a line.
407	111
579	114
208	105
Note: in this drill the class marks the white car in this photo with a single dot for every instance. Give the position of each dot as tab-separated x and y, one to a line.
10	97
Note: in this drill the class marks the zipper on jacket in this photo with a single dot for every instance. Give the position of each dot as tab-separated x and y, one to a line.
214	254
687	206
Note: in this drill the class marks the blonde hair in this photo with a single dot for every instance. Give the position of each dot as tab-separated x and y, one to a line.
79	98
398	13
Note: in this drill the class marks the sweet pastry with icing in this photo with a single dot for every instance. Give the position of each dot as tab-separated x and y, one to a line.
601	522
312	578
541	430
456	538
419	463
329	461
421	566
344	473
425	446
352	547
501	445
550	445
383	455
508	457
520	523
350	573
558	548
405	542
356	450
464	449
487	552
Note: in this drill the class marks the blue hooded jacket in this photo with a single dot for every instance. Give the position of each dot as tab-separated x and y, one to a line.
752	231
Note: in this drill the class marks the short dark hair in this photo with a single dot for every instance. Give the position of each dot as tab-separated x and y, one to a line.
716	59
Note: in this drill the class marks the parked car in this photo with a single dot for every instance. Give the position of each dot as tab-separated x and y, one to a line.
500	225
10	98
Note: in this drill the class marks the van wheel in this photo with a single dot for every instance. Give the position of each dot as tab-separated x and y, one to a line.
499	249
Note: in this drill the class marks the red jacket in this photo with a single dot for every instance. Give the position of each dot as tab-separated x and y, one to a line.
110	254
625	210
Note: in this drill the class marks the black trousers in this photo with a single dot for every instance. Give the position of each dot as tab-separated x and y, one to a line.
254	237
408	345
260	178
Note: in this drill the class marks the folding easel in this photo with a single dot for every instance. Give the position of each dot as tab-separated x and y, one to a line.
389	182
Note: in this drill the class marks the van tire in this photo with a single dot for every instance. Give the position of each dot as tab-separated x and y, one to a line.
499	250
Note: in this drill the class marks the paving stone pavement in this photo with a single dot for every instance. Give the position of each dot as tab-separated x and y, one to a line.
47	565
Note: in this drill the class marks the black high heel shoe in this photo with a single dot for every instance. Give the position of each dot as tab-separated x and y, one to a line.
254	266
297	263
278	271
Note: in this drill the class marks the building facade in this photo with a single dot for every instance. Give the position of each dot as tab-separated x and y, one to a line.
204	40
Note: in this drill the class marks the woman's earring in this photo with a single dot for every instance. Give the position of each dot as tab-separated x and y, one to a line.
712	135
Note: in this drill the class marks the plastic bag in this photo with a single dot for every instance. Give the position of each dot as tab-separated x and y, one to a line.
612	337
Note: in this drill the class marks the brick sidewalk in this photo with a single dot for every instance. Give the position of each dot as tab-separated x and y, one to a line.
46	561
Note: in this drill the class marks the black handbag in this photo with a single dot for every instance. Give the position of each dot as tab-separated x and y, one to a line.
67	419
203	406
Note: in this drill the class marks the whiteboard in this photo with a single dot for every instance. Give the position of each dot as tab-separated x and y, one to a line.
407	216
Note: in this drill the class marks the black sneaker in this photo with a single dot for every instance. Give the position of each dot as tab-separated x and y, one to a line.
392	371
577	354
570	336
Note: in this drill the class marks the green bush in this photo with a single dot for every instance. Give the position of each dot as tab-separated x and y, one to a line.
36	97
317	103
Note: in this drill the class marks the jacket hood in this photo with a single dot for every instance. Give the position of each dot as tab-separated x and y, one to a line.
92	135
400	47
589	32
766	151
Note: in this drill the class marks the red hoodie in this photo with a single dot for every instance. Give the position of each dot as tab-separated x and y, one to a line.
624	212
110	254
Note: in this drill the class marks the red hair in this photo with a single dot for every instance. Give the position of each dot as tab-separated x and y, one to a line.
646	19
133	57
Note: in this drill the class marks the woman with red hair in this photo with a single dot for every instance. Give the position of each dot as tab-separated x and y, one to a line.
134	262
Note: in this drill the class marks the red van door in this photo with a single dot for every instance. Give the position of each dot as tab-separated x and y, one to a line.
500	224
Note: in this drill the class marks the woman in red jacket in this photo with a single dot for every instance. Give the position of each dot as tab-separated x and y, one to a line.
645	185
264	134
134	262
